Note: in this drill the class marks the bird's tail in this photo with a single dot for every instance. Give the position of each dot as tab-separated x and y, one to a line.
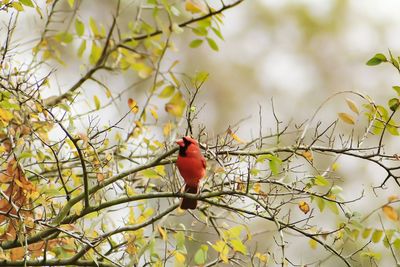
188	203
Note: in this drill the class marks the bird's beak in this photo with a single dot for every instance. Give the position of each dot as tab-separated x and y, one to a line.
180	142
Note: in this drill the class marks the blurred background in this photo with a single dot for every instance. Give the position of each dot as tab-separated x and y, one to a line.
294	52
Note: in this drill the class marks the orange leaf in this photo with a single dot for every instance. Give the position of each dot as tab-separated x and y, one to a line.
308	155
390	212
36	249
303	206
5	178
17	254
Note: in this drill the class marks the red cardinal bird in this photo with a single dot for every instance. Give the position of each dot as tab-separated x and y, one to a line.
192	166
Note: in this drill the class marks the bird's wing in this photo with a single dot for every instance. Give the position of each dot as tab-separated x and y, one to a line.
203	161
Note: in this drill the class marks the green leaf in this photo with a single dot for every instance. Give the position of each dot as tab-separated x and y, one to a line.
201	77
200	31
212	44
195	43
392	129
370	254
150	173
397	89
201	255
320	180
79	27
96	102
93	26
180	241
383	112
24	155
320	203
82	48
396	244
366	232
27	3
393	104
175	11
261	158
274	163
393	60
95	53
333	207
336	190
64	37
376	236
176	29
376	60
167	92
217	33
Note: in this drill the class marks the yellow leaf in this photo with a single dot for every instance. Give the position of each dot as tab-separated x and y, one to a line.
71	3
303	206
346	118
131	218
154	113
261	257
162	232
390	212
176	106
352	106
335	166
234	136
194	6
96	102
223	249
139	124
133	105
78	208
167	128
237	245
179	257
313	243
160	169
392	198
219	245
5	115
257	188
